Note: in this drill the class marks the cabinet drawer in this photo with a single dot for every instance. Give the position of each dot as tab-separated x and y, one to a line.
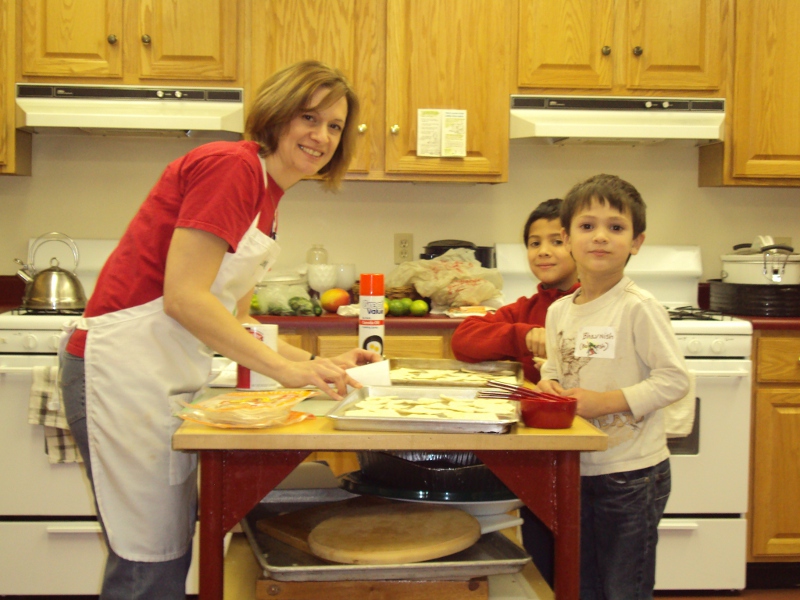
779	359
51	558
701	554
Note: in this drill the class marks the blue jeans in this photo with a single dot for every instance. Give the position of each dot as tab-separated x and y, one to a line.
123	579
619	532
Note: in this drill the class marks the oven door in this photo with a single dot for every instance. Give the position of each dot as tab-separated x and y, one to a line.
33	486
710	467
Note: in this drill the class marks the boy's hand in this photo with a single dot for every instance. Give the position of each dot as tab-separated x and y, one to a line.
535	341
597	404
550	386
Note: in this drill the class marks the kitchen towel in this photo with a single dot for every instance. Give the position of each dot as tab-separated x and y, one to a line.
45	408
679	416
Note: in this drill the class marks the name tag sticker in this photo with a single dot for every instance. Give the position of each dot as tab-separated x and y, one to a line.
596	342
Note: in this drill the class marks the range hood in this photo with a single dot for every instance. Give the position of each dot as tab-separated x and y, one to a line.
127	109
625	120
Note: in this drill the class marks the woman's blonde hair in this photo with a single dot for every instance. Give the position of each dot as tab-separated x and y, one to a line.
287	94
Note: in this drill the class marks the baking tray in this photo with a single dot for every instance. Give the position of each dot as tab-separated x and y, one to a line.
436	475
492	554
340	421
488	367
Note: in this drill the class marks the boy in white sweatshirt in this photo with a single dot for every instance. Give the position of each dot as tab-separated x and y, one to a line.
611	346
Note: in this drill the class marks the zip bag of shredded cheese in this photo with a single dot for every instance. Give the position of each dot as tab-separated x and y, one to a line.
260	409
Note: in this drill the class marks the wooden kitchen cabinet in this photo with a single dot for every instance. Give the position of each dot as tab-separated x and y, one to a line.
624	47
762	137
131	41
15	146
401	55
774	519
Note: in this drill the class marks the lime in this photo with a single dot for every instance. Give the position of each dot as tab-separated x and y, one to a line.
397	308
419	308
407	302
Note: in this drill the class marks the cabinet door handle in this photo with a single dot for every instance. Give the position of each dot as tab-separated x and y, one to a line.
395	129
146	39
606	50
362	128
637	51
90	527
669	524
112	39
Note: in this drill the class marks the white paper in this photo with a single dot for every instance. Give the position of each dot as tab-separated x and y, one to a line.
429	132
454	133
376	373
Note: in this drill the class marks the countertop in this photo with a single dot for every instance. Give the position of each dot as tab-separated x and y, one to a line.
330	322
319	434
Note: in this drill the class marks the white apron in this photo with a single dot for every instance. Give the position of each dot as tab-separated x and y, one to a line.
138	362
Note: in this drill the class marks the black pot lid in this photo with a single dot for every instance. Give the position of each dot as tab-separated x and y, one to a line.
450	244
356	483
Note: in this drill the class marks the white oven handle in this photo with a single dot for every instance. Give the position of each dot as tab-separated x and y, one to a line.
88	527
4	370
719	373
674	525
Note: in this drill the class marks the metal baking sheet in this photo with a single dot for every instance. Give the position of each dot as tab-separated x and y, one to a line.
488	367
341	421
492	554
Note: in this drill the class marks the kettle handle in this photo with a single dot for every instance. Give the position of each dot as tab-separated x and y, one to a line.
53	236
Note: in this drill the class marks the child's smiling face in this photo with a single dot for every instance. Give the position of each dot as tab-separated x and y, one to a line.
548	257
601	239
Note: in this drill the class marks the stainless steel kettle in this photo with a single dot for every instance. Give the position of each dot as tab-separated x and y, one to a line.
53	289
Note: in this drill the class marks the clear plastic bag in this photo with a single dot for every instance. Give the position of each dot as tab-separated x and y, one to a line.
453	279
247	409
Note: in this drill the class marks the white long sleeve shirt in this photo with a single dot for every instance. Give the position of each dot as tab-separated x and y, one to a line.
620	341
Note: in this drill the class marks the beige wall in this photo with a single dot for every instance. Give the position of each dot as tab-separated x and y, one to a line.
89	187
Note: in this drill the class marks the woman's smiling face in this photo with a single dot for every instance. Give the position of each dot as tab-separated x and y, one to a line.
310	140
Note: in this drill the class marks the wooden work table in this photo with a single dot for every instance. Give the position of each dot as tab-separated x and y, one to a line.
239	467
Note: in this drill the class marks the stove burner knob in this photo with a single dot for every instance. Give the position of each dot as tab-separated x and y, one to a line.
695	346
55	339
29	342
718	346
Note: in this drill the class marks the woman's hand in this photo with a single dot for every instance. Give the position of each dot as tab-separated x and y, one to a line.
322	373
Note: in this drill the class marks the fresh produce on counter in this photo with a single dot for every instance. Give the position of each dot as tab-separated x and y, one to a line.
333	298
285	301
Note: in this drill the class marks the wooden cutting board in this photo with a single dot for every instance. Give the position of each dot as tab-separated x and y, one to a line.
395	533
293	528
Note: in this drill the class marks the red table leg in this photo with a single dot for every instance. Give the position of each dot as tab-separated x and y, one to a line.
548	482
231	484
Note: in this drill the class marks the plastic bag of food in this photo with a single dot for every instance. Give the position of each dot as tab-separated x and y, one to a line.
276	299
453	279
247	409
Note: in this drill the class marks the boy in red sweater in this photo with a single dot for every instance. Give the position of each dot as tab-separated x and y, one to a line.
516	331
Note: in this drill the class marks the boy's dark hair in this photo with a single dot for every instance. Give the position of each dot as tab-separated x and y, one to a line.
549	209
618	193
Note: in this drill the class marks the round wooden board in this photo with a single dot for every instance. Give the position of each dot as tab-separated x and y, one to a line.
394	534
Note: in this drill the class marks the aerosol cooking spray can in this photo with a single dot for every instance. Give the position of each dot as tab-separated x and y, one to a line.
371	317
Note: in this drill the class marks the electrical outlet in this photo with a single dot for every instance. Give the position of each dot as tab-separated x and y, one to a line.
403	247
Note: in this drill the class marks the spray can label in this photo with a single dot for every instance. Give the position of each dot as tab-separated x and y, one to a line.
371	316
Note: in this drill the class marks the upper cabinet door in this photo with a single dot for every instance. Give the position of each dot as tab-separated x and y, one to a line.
345	34
72	39
447	54
188	39
674	44
766	130
566	44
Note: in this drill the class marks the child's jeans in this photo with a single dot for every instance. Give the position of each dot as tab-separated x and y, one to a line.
619	532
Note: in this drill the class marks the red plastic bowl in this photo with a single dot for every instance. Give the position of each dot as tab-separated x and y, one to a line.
548	414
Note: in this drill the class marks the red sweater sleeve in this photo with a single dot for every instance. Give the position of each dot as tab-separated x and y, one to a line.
501	336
